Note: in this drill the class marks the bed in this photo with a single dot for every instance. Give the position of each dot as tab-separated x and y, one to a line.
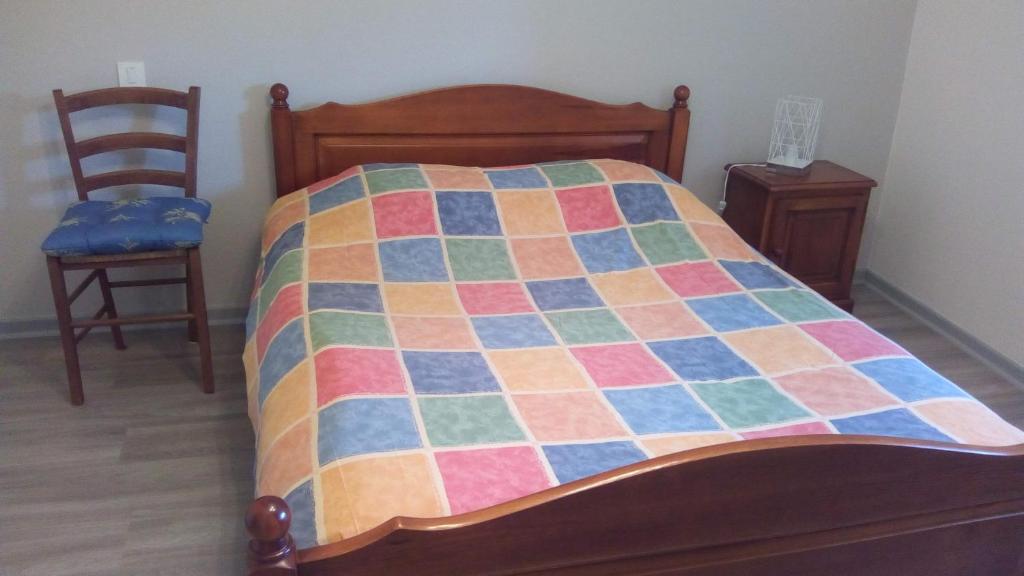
492	334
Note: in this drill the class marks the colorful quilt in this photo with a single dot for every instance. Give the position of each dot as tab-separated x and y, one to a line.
431	340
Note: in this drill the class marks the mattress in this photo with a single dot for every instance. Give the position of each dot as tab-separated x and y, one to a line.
430	340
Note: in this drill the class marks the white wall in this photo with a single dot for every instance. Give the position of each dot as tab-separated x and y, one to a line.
950	230
738	56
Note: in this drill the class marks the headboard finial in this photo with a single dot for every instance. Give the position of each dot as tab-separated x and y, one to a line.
682	94
279	94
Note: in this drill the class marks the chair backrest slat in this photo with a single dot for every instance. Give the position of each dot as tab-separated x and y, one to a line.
130	140
114	96
139	176
187	144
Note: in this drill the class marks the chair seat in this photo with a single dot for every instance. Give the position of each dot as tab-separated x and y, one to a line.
125	226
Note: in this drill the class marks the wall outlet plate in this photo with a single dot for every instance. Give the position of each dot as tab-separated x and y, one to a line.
131	74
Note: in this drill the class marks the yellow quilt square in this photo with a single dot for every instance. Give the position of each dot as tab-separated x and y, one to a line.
347	224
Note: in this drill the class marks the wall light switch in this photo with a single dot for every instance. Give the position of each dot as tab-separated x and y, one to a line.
131	74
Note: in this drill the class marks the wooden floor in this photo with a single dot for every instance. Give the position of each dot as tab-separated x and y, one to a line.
153	475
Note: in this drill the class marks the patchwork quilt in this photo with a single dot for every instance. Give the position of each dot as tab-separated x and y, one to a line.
430	340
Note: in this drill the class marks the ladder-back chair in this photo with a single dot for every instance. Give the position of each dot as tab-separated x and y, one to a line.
153	231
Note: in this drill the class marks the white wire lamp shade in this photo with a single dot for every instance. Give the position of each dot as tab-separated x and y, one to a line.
795	133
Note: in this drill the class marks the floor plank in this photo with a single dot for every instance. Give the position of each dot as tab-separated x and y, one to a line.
152	476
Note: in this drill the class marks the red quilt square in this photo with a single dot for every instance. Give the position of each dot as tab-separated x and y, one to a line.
851	340
476	479
621	365
348	371
697	279
404	214
494	298
588	208
287	306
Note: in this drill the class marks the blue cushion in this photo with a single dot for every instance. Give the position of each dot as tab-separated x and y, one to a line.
122	226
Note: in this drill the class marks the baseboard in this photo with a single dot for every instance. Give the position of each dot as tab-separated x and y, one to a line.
39	327
928	316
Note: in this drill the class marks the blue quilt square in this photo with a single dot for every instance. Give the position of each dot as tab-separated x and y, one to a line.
899	422
661	409
343	192
365	426
908	379
413	260
642	203
517	178
345	296
701	359
449	372
733	312
607	251
564	294
574	461
301	502
468	214
290	240
753	275
666	178
286	350
518	331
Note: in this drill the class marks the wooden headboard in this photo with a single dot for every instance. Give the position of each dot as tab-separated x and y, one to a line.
478	125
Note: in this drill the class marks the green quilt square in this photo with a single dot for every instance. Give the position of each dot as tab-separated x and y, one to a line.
479	259
798	305
467	420
589	327
667	242
747	403
572	174
331	327
288	269
394	179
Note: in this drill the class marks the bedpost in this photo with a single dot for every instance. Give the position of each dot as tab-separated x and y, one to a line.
271	549
680	129
281	135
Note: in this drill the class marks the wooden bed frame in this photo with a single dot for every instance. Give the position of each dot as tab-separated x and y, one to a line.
814	505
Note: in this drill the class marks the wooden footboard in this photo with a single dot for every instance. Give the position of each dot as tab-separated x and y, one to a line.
846	505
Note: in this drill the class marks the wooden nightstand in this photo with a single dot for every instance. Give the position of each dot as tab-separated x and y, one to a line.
809	225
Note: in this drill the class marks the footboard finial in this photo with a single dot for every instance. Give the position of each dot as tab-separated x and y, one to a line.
682	94
271	549
279	95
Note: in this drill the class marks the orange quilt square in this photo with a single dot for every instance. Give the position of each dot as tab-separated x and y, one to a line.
361	494
347	224
530	213
545	258
558	416
659	321
639	286
355	262
779	349
433	333
537	369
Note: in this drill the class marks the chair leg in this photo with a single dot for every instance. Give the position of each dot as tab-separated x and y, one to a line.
108	302
67	333
195	272
193	333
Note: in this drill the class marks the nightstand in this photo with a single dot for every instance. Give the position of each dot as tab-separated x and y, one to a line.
810	225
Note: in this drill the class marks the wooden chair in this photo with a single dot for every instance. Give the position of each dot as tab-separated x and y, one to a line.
60	259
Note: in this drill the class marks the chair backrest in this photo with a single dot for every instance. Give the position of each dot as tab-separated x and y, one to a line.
187	144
